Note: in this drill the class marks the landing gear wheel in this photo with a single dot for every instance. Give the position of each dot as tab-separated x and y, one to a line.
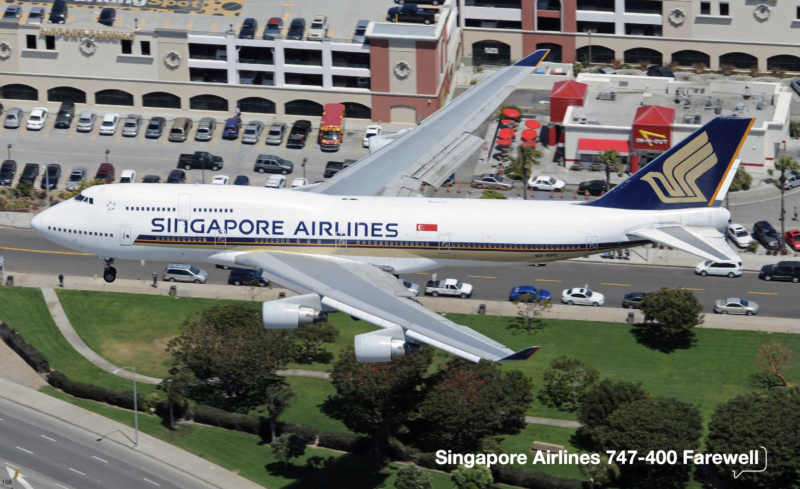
110	274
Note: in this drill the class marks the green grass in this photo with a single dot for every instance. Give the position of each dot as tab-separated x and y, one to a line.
246	455
522	443
304	409
24	309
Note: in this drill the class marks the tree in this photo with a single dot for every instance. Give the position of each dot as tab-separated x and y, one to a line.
774	359
610	159
229	344
83	185
286	447
492	194
742	180
602	400
529	312
677	311
412	477
603	473
652	425
376	399
176	386
313	336
467	402
478	477
768	419
279	395
23	189
567	380
785	164
521	164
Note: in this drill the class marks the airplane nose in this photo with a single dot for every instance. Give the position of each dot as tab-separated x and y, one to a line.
37	223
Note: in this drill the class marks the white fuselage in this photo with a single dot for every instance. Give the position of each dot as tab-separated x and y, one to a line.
214	223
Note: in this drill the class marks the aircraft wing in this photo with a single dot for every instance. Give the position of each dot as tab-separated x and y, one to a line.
432	151
705	242
368	293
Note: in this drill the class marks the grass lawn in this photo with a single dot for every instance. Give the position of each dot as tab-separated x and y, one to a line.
246	455
304	408
549	434
24	309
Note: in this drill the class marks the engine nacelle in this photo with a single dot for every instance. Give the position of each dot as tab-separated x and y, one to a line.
376	348
286	315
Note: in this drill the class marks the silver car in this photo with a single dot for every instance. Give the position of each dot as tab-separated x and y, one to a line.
735	305
13	118
410	286
252	132
86	121
78	174
36	16
205	129
491	181
276	132
183	272
132	125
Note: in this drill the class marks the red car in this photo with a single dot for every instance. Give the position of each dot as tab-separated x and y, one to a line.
793	239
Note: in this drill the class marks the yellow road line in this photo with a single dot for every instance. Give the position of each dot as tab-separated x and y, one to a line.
50	123
23	128
190	25
71	19
478	276
45	251
310	140
263	139
238	142
286	17
96	129
330	33
357	149
166	24
143	130
213	27
72	130
545	280
118	22
119	131
142	23
618	285
24	18
764	293
165	135
423	273
689	288
288	4
351	35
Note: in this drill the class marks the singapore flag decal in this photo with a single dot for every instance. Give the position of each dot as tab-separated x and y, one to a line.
427	227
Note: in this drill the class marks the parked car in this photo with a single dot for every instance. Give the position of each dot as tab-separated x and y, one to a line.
276	132
51	176
180	129
127	176
29	173
151	179
791	181
299	182
36	16
543	182
373	130
246	276
106	173
59	12
595	187
532	293
412	13
796	85
491	181
176	176
334	167
448	286
792	238
183	272
296	30
723	269
132	125
632	300
109	125
252	132
410	286
583	297
736	305
276	181
8	169
249	28
298	134
273	29
220	180
76	177
232	127
360	34
13	117
86	121
155	128
65	115
767	235
780	273
200	160
432	2
318	29
739	235
12	13
273	164
605	70
661	71
107	17
241	180
37	119
205	129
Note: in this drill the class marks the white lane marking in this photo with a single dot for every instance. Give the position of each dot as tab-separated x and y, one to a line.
1	419
151	482
11	465
77	471
100	459
26	451
59	485
48	438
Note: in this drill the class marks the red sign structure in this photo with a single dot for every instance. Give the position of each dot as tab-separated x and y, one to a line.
652	128
564	94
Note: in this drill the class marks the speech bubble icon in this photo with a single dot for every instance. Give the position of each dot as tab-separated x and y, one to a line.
736	476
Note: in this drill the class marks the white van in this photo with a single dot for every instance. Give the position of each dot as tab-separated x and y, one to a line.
723	269
109	124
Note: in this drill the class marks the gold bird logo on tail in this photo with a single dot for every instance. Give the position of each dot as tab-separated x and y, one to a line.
681	171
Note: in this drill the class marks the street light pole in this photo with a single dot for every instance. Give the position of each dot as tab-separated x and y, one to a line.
47	184
304	168
107	152
135	406
9	151
590	31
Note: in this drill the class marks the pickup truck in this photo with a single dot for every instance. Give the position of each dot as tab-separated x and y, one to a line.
448	286
297	137
412	13
200	160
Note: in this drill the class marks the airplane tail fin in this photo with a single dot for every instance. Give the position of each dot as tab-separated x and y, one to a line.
694	173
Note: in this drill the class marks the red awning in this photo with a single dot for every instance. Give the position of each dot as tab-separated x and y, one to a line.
532	124
505	133
597	146
652	128
564	94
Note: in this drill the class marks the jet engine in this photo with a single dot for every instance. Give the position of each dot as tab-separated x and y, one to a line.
291	313
372	347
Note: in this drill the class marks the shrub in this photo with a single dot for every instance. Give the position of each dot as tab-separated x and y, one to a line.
307	433
59	380
25	350
230	421
428	461
336	440
699	67
56	379
727	69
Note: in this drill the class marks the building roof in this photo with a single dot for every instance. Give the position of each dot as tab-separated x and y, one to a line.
654	115
569	89
597	146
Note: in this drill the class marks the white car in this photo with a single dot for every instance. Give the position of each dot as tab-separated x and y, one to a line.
371	131
276	181
583	297
220	180
411	286
739	235
37	119
730	269
299	182
543	182
127	176
109	124
318	29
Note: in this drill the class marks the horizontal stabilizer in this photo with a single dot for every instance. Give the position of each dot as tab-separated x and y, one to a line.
522	354
705	242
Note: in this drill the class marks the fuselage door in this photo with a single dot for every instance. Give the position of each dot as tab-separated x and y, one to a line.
184	207
591	245
125	236
341	244
444	244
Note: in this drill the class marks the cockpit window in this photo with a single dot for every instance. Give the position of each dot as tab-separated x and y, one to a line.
82	198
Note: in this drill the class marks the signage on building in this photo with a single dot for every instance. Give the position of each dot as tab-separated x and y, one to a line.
491	50
60	31
651	140
162	5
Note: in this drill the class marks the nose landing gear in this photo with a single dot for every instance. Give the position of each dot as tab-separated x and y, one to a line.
109	272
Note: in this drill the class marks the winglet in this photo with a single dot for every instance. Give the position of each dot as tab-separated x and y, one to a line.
533	59
521	355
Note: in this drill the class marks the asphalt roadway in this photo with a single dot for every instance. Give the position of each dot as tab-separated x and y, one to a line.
51	453
25	251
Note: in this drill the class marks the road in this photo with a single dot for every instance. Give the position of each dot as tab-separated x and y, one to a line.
51	453
25	251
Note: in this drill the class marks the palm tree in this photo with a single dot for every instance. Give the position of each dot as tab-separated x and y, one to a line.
785	164
610	158
522	163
